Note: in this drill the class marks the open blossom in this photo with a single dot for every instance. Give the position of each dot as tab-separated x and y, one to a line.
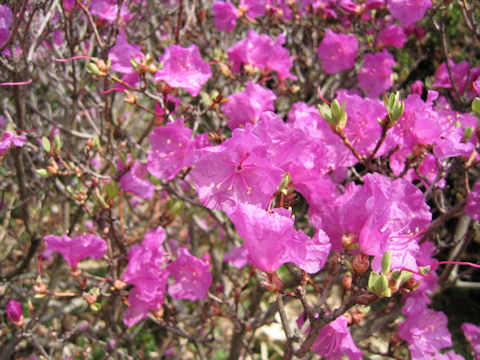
184	68
150	281
393	35
248	105
426	330
262	52
472	333
192	276
172	150
408	12
10	139
6	17
374	213
272	240
135	181
375	76
472	208
335	341
225	15
237	171
122	52
337	51
238	256
77	248
108	10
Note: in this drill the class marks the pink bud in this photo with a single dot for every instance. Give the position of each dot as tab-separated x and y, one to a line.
14	312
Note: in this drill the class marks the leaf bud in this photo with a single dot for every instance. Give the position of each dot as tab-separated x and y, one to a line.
361	263
386	261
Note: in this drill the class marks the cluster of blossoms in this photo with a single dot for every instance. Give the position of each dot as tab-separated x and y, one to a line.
362	166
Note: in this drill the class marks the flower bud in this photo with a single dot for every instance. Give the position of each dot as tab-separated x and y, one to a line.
14	313
40	288
347	239
360	263
119	284
347	281
90	298
52	168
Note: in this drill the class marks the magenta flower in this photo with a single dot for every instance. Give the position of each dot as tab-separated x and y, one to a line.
375	213
136	182
10	139
224	16
408	12
391	35
334	341
75	249
248	105
14	312
107	10
472	208
426	330
472	333
192	276
272	240
184	68
122	53
253	8
337	52
172	150
150	281
262	52
237	171
375	76
238	256
6	17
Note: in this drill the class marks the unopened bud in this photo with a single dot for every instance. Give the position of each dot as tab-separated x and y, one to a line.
347	239
52	168
130	98
102	66
225	70
361	263
152	68
347	281
90	298
40	288
119	284
15	313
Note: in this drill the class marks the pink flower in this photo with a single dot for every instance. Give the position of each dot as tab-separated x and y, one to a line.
408	12
6	17
337	52
10	139
146	270
122	53
426	330
248	105
14	312
107	10
136	182
262	52
472	208
272	240
253	8
472	333
391	35
192	276
172	150
375	76
239	170
334	341
238	256
224	16
75	249
184	68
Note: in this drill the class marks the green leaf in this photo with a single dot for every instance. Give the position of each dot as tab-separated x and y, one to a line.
42	172
476	106
386	261
46	144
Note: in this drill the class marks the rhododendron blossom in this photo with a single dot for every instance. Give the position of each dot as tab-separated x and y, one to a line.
408	12
237	171
248	105
472	208
426	330
472	334
192	276
135	181
77	248
184	68
224	15
10	139
172	150
375	76
272	240
337	51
